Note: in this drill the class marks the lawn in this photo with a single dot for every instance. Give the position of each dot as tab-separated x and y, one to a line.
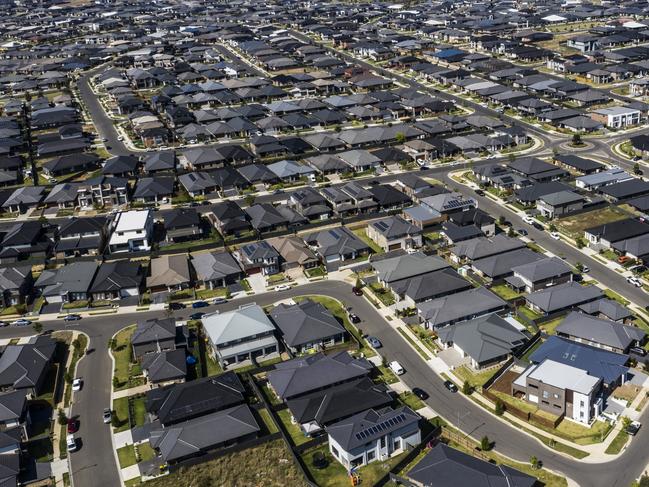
139	407
476	379
336	475
144	452
126	456
505	292
550	326
518	403
219	292
616	297
385	295
583	435
574	226
76	356
386	375
297	435
128	374
268	421
618	443
120	410
412	401
315	272
267	465
362	234
528	313
412	342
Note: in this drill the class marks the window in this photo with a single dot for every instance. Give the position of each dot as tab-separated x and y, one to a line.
581	403
334	450
546	394
556	396
382	441
397	443
370	455
533	386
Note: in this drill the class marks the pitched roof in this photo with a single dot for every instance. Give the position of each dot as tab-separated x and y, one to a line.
459	306
153	330
238	324
215	265
563	296
169	270
305	322
408	266
21	366
599	330
165	365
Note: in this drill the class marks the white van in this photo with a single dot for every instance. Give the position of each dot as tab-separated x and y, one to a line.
396	367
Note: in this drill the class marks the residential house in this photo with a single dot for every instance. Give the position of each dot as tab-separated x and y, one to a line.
394	233
294	253
182	225
608	234
336	246
15	285
67	284
616	117
81	236
25	367
117	279
539	274
169	273
457	307
216	269
561	203
165	367
157	335
131	231
258	257
563	297
600	333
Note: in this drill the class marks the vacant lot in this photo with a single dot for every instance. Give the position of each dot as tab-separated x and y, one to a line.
574	226
268	465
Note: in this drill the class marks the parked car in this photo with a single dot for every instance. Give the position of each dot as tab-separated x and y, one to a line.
283	287
633	428
374	342
523	232
634	281
72	425
585	269
450	386
638	351
200	304
196	316
420	393
71	443
479	192
396	368
3	324
72	317
76	384
528	219
354	318
357	291
219	301
107	415
21	322
538	226
639	269
177	306
555	235
623	259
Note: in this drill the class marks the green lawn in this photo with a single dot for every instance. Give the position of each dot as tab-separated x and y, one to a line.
518	403
475	378
139	406
145	452
574	226
268	421
583	435
386	375
550	326
315	272
362	234
128	373
528	313
297	435
384	294
219	292
120	409
413	343
126	456
412	401
616	297
618	443
505	292
133	482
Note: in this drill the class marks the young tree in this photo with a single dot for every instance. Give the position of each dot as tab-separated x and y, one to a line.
38	327
579	266
400	137
534	462
576	139
466	388
359	283
116	382
485	444
62	418
500	408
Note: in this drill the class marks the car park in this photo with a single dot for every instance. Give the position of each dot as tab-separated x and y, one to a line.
76	384
374	342
107	415
450	386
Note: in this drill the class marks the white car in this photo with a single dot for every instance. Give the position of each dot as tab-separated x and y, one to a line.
555	235
396	367
635	281
71	443
283	287
528	219
76	384
411	251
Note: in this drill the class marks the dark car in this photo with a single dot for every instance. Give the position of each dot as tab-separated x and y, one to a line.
479	192
200	304
177	306
73	426
523	232
72	317
633	428
450	386
354	318
374	342
357	291
638	172
196	316
538	226
420	393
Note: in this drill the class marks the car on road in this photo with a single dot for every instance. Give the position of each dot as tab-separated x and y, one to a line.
450	386
555	235
396	368
219	301
374	342
638	351
196	316
72	317
354	318
21	322
585	269
3	324
639	269
634	281
357	291
523	232
479	192
420	393
633	428
538	226
72	425
283	287
76	384
638	172
71	443
200	304
107	415
528	219
278	191
177	306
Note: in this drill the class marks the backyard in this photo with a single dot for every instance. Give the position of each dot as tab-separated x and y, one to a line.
127	373
574	226
475	378
505	292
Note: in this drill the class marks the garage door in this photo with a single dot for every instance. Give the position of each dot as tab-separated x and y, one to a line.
394	247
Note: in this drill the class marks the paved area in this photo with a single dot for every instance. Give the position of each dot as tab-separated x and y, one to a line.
122	438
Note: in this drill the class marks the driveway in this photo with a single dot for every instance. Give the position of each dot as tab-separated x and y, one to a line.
257	282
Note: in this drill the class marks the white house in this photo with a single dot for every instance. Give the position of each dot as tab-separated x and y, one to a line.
131	231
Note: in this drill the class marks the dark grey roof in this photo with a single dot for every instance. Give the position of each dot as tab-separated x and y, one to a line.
596	330
116	275
407	266
432	285
482	247
21	366
563	296
460	306
165	365
502	264
153	330
305	322
12	405
607	307
337	241
619	230
395	227
215	265
544	268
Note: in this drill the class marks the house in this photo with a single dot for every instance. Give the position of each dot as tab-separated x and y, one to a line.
387	197
337	245
608	234
294	253
155	189
307	326
592	182
394	233
13	410
176	403
228	218
616	117
81	236
457	307
563	297
310	204
25	367
424	287
561	203
394	270
609	309
501	266
182	225
24	240
258	257
486	341
67	284
578	164
165	367
240	336
157	335
315	410
318	372
216	269
131	231
169	273
118	279
24	198
373	435
435	209
539	274
482	247
625	190
199	435
443	466
561	389
600	333
266	218
15	285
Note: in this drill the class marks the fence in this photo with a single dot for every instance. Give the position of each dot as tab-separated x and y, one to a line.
524	415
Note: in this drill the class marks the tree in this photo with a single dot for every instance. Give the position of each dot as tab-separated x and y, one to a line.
249	200
511	233
359	283
68	378
38	327
576	139
501	220
579	266
485	444
500	408
114	421
466	388
579	241
62	418
552	228
76	344
534	462
116	382
400	137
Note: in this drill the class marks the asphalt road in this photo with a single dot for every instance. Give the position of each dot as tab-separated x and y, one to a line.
94	465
